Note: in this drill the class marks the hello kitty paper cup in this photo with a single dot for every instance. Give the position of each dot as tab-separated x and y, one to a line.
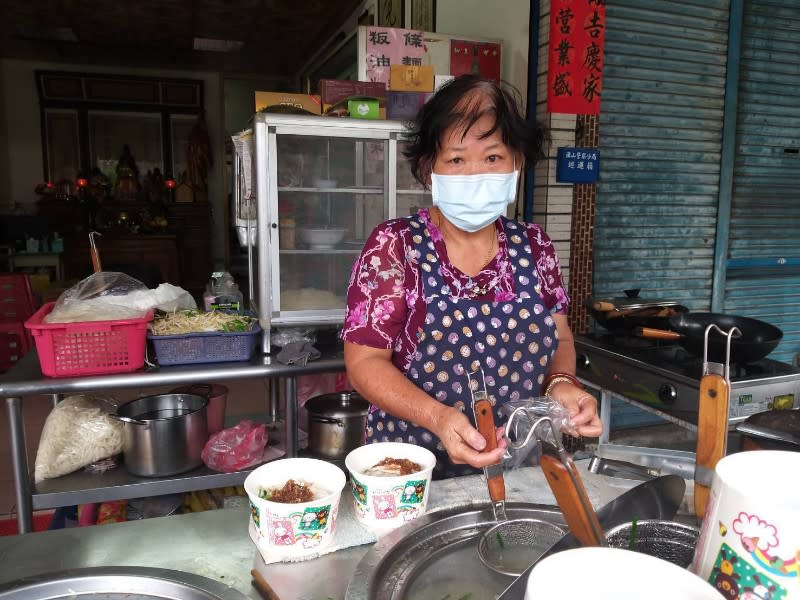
294	531
749	546
386	502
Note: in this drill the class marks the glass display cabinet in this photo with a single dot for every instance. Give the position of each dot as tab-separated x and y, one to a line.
321	184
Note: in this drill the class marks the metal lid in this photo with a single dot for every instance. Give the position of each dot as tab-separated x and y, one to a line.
631	301
338	405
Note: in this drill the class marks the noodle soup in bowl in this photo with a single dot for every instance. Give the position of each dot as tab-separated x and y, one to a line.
283	527
390	483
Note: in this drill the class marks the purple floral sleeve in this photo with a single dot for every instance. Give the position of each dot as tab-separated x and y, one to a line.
376	298
548	270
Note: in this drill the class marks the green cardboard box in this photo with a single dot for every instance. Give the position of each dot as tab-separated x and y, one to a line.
363	108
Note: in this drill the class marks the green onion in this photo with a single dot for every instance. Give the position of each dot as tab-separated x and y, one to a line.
632	538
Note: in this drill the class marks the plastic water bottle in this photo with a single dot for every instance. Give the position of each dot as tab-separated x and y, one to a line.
222	293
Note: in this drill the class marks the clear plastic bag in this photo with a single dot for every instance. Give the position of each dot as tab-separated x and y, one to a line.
76	433
287	335
236	448
102	296
526	415
108	296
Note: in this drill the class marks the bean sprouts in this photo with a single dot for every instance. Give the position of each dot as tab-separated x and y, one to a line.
191	321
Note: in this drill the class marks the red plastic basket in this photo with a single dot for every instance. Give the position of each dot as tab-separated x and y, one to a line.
88	348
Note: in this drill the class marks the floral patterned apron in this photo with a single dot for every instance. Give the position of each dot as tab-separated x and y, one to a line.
512	341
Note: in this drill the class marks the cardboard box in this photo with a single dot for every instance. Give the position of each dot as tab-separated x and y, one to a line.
411	78
404	106
364	108
308	102
335	90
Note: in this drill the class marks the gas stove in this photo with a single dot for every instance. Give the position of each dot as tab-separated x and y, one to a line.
665	377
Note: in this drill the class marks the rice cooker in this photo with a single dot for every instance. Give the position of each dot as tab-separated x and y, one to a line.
336	424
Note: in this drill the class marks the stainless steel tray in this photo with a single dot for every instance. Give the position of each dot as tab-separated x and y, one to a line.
118	583
438	555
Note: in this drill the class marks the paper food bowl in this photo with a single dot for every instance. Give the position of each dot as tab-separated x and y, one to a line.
294	531
613	574
388	502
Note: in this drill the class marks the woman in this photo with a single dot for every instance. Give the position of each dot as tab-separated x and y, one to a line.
459	287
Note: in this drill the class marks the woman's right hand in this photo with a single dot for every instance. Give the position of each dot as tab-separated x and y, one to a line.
464	444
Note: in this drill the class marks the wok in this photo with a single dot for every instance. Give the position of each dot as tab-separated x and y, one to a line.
771	430
758	338
625	315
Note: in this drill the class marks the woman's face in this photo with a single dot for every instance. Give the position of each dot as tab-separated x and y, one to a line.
471	154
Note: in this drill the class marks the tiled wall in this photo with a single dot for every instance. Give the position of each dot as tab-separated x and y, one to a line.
565	211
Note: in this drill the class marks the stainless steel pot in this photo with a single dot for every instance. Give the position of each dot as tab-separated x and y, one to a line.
163	434
336	423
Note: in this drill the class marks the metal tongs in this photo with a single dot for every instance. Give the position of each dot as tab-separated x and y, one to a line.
510	545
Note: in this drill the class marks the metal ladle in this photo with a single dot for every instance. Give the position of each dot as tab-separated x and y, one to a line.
509	546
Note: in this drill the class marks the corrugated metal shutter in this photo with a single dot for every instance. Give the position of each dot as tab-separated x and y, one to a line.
660	137
765	210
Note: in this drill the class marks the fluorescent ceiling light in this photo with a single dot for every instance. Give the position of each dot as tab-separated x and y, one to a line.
213	45
52	34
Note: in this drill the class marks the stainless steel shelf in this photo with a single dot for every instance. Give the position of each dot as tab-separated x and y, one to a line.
82	487
26	379
323	251
335	190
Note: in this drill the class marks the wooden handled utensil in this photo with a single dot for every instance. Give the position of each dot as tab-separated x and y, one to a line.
712	432
484	419
712	420
567	486
602	306
658	334
95	254
262	586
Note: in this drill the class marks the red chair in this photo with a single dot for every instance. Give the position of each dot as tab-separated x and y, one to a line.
16	297
14	344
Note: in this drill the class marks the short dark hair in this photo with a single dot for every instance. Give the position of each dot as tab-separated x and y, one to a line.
460	103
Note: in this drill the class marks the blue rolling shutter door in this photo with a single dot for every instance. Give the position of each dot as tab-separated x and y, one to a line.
660	136
763	273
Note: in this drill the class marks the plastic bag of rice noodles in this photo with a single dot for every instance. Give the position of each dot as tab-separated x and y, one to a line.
76	433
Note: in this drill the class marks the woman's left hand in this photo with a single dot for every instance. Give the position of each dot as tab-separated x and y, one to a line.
582	407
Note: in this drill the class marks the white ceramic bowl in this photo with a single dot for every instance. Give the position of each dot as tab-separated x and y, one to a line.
613	574
321	238
388	502
294	530
324	183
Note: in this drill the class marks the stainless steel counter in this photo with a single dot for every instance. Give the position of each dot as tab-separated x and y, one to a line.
26	379
215	544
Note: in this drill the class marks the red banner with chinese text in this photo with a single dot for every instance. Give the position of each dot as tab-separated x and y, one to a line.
575	62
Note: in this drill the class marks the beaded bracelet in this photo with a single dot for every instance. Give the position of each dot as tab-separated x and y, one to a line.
553	378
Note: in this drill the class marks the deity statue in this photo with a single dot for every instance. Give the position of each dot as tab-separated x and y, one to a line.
127	185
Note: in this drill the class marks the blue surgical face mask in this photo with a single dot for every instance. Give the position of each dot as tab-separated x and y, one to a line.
471	202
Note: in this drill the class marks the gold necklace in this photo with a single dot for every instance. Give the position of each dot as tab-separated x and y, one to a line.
436	219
